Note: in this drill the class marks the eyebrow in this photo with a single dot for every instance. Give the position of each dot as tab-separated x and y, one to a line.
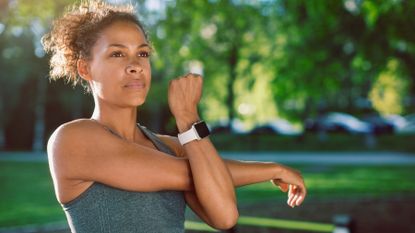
123	46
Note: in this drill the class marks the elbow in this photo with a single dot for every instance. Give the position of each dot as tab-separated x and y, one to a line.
227	221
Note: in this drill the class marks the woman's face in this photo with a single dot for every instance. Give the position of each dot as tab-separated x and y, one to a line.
119	71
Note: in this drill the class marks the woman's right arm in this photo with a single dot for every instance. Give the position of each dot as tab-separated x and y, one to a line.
85	151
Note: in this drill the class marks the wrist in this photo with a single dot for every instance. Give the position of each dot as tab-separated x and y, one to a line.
185	122
278	171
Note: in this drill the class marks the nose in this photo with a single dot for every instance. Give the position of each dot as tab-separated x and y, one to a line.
134	68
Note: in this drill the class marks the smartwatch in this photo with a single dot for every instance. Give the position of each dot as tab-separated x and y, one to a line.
198	131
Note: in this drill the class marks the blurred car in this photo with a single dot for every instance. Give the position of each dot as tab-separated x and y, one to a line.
380	125
409	127
223	126
218	129
279	126
338	122
396	120
402	124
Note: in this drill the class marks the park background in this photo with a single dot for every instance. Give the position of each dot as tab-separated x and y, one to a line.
270	67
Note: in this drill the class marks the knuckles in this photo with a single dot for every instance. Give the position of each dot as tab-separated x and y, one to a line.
190	78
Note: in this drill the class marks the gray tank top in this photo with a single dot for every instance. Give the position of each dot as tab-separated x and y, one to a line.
104	209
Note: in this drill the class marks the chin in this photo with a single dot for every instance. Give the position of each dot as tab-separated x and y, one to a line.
138	102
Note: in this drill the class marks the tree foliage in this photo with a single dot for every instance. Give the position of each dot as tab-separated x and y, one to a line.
334	52
260	60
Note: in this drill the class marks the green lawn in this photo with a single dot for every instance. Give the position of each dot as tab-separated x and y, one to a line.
27	194
342	182
311	142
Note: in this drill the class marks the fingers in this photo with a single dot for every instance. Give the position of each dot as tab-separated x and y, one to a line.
193	75
184	95
296	195
190	75
186	79
188	87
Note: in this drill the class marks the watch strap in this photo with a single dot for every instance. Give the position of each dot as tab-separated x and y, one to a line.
188	136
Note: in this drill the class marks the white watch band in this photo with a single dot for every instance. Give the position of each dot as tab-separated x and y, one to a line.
188	136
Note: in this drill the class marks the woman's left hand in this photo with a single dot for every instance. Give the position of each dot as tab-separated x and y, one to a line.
296	192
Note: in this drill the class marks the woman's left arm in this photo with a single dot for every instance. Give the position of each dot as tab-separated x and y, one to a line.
245	173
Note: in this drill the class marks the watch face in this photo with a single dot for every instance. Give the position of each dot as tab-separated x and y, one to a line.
202	129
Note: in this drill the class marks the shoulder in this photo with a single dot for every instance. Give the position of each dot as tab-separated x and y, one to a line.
173	143
72	136
71	129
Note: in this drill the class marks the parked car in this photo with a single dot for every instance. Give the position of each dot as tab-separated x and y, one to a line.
278	126
380	125
338	122
409	127
223	126
402	124
396	120
218	129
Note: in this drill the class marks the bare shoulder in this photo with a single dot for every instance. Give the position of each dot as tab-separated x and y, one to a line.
173	143
72	132
73	139
75	125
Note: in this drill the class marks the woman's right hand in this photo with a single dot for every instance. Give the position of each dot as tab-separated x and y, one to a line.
292	181
183	96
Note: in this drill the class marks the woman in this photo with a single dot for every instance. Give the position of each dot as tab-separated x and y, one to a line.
112	175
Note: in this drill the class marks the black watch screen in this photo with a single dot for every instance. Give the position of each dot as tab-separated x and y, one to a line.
202	129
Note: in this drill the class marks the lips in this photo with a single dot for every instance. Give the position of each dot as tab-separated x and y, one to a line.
136	84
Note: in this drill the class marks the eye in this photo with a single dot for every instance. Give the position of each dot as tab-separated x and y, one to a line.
117	54
144	54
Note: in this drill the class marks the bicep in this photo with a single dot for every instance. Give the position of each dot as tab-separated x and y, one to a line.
106	159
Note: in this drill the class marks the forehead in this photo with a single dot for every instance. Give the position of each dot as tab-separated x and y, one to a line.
121	32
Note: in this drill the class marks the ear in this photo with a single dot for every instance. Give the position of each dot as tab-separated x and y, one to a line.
83	69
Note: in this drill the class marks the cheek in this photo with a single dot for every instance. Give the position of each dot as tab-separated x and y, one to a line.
149	77
104	82
148	70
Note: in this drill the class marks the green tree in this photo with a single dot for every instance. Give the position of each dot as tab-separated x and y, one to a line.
221	36
333	51
24	71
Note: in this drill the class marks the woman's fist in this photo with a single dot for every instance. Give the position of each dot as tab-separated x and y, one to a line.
184	95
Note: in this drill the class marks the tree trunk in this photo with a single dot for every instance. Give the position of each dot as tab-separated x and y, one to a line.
39	126
230	100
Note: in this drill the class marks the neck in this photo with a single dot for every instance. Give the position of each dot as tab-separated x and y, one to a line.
120	120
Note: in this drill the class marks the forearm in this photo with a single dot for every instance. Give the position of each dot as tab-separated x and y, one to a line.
243	173
247	172
212	180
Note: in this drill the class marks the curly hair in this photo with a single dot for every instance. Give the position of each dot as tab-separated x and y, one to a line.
74	34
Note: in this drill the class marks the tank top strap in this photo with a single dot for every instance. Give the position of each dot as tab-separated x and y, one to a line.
158	143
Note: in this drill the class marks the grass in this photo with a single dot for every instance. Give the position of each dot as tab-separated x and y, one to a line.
342	181
311	142
27	194
285	224
28	198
